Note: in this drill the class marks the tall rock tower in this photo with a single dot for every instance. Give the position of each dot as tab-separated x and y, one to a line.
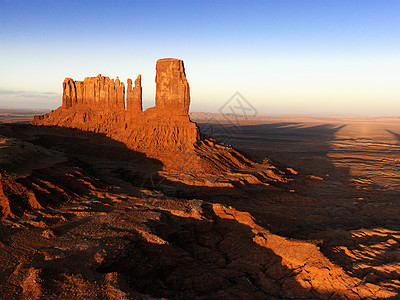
134	96
172	88
98	104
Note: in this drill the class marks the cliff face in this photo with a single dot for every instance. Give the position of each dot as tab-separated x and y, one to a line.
98	104
172	92
134	95
99	92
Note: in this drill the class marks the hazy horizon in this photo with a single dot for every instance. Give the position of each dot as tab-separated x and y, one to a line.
285	57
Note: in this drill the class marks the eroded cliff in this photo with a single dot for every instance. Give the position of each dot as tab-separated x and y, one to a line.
98	104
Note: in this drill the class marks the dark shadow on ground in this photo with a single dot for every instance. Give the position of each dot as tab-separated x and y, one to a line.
321	203
396	135
334	204
204	258
92	160
314	208
290	143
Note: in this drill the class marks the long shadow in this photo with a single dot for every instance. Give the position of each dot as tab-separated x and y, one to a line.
315	208
396	135
282	212
92	160
334	204
289	143
204	258
298	146
179	269
305	149
319	202
75	143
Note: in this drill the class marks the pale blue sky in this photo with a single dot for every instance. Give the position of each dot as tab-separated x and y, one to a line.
284	56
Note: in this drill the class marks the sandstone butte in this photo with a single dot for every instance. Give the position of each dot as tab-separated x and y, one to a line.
163	248
98	104
165	131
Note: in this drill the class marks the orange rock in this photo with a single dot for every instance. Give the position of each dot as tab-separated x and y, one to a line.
4	204
172	92
98	104
134	95
69	93
94	93
164	132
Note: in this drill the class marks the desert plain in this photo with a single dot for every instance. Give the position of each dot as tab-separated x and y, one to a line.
199	150
93	219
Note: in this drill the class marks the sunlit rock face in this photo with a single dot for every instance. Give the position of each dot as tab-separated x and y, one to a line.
101	104
172	93
94	92
134	96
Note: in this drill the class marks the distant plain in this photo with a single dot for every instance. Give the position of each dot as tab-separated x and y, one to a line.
342	195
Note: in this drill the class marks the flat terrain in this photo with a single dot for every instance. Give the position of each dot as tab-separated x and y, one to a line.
16	115
361	151
356	161
318	219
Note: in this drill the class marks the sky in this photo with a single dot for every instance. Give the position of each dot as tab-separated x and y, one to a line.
283	56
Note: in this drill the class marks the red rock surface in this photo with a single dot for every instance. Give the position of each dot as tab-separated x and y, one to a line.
98	104
134	96
172	92
164	132
100	93
89	218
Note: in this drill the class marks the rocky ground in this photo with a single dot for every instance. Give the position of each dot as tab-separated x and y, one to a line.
316	218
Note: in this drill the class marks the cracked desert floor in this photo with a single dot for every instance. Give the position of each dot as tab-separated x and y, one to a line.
316	218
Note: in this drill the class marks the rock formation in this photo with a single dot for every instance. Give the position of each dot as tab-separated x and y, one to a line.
134	95
99	92
98	104
172	93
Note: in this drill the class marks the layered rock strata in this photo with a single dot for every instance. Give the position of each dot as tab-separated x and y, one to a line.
98	104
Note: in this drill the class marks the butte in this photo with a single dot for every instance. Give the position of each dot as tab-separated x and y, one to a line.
164	132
